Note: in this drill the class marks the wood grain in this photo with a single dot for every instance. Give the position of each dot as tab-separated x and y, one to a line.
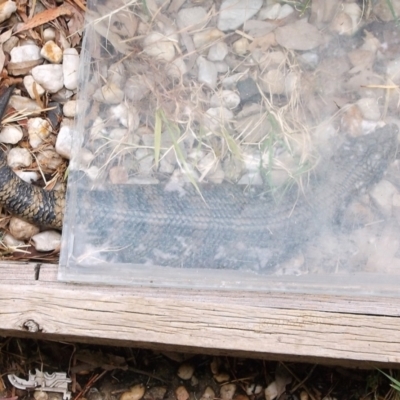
253	325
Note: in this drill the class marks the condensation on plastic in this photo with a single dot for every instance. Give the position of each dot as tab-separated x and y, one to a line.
169	235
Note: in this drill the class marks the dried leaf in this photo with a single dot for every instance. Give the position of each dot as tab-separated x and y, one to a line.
5	36
2	58
45	17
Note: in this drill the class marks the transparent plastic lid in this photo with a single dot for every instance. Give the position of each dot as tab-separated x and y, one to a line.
244	145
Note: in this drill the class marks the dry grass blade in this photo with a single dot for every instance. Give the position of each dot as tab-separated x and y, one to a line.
157	138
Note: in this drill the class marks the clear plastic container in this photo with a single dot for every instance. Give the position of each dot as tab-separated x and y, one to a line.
245	147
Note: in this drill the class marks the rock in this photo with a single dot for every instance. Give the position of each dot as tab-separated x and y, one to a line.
29	52
47	241
109	94
135	393
9	44
49	159
62	95
118	175
241	46
185	371
233	13
126	116
225	98
369	108
31	86
181	393
155	393
19	157
40	395
218	51
208	394
137	87
24	105
50	76
21	229
49	34
11	242
299	35
69	109
176	69
28	176
64	139
216	118
191	18
6	10
382	194
275	12
206	36
11	134
51	52
248	90
207	72
159	46
117	74
271	392
227	391
273	81
70	68
39	130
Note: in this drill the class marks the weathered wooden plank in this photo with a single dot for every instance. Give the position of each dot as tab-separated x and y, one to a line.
175	320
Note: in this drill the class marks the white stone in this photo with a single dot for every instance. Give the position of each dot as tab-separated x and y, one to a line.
29	52
218	51
51	52
50	76
28	176
64	140
299	35
49	34
24	105
159	46
185	371
382	194
225	98
21	229
109	94
270	12
176	69
208	394
216	118
69	109
19	157
49	158
70	68
30	84
39	129
273	82
369	108
221	67
192	18
11	242
271	392
227	391
7	9
241	46
233	13
47	241
11	134
117	74
207	72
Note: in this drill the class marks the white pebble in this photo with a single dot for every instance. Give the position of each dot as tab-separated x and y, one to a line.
28	176
207	73
21	229
208	394
49	158
70	68
227	391
47	241
24	105
383	194
51	52
273	81
216	118
69	108
159	46
50	76
10	241
117	74
30	85
185	371
193	18
40	395
221	67
109	94
64	140
39	129
176	69
271	392
134	393
29	52
11	134
49	34
218	51
19	157
369	108
6	10
241	46
233	13
225	98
